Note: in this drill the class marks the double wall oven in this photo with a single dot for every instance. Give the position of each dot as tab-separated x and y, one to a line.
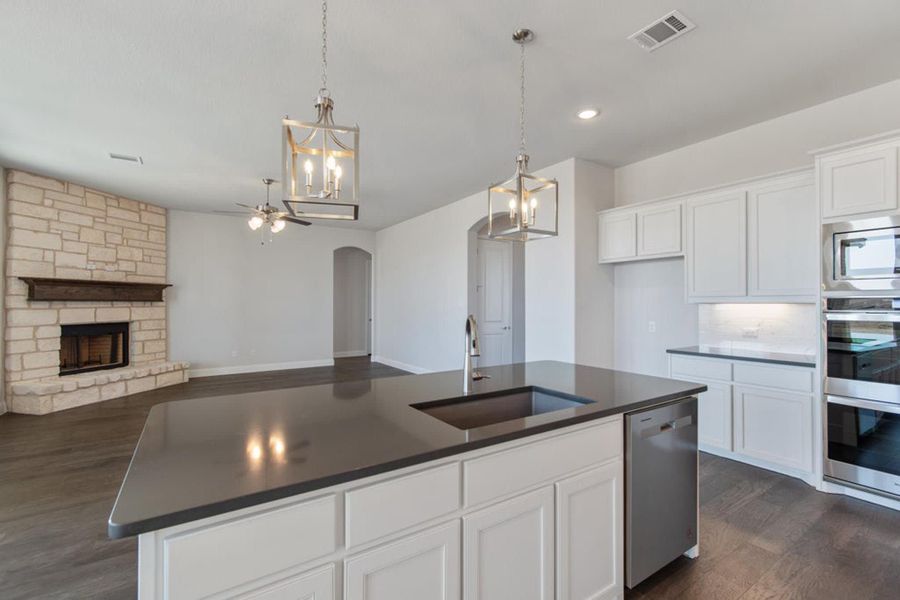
862	353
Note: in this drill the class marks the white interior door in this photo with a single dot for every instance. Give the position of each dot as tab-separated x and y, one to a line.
494	295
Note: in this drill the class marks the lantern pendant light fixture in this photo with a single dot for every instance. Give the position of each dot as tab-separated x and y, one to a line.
525	207
320	160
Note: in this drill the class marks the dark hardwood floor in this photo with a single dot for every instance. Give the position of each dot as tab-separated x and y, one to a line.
59	475
762	535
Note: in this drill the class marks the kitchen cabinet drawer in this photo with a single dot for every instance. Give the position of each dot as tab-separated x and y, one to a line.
686	367
384	508
315	585
497	475
209	560
795	379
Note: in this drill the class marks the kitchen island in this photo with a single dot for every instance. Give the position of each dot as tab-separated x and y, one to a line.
390	488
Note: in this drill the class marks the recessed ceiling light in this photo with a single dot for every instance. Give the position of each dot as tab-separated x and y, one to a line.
126	157
588	113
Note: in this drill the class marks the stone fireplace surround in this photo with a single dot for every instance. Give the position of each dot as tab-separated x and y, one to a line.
62	230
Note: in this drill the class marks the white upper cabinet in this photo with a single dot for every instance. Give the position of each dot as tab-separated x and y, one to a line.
618	236
650	231
659	230
783	258
716	246
858	182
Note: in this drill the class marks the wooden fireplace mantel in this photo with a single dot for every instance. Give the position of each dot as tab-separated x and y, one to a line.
40	288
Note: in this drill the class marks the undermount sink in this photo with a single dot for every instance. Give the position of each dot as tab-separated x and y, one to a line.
469	413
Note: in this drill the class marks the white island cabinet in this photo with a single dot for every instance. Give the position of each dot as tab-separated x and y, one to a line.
540	517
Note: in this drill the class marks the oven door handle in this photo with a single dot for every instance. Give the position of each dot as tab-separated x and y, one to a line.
865	404
868	317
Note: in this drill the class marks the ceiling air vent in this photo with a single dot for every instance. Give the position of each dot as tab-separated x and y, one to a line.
662	31
126	157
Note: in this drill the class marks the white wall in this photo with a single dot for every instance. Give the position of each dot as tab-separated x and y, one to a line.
645	292
238	306
775	145
421	268
594	296
351	315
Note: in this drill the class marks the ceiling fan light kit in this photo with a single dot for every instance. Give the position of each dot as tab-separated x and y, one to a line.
320	160
525	207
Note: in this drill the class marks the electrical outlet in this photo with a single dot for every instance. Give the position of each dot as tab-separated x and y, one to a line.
651	326
750	332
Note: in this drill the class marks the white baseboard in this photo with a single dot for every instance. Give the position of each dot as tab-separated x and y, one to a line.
400	365
350	353
232	370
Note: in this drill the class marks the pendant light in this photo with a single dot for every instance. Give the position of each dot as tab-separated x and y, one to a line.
524	207
320	160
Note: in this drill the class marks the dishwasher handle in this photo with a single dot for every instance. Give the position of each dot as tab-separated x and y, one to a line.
668	426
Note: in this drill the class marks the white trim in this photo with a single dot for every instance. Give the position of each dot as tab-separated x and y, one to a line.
231	370
400	365
350	353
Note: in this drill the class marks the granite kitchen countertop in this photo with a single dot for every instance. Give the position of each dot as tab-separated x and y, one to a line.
206	456
777	358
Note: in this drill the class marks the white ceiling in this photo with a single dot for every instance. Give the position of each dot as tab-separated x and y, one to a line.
198	88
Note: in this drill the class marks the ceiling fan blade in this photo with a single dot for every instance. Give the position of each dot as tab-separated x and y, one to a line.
230	212
294	220
245	206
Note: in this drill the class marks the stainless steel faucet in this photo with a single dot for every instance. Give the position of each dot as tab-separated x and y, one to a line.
471	374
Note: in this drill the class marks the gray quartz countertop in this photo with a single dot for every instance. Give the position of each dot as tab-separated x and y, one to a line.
206	456
778	358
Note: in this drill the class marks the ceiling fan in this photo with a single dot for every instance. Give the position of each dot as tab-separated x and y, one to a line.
266	214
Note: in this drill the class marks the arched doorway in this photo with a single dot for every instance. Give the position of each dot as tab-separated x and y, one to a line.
352	314
496	295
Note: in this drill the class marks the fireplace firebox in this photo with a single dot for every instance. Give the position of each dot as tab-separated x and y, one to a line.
92	347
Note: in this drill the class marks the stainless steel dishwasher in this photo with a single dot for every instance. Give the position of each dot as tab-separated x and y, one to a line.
660	487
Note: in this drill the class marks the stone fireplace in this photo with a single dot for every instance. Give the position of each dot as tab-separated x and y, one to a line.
58	230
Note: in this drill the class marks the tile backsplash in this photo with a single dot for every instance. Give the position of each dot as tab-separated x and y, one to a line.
769	327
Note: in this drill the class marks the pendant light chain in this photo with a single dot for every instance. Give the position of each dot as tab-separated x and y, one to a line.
522	99
325	45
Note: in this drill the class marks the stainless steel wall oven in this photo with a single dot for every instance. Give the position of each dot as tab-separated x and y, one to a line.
862	387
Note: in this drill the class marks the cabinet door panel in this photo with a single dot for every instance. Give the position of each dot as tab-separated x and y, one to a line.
659	230
424	566
315	585
508	549
783	239
589	543
714	409
773	426
717	246
859	182
617	236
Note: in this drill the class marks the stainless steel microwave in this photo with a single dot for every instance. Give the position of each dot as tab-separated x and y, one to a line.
862	256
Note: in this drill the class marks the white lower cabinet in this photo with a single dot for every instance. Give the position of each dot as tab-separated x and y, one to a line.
481	526
774	426
714	407
424	566
315	585
508	549
589	534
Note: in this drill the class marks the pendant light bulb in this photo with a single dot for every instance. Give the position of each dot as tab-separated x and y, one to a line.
330	162
255	222
278	225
